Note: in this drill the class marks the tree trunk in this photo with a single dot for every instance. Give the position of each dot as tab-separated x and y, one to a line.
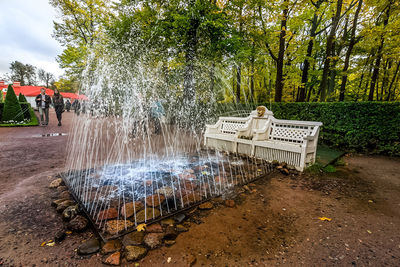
375	72
368	78
332	71
348	52
385	78
329	50
238	81
281	54
252	81
191	45
306	64
212	76
392	82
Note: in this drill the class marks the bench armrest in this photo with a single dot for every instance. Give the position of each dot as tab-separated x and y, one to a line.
245	131
313	135
213	128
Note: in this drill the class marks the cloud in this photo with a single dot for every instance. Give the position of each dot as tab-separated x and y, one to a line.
26	28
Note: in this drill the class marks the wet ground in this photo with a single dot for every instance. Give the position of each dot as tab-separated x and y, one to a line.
275	223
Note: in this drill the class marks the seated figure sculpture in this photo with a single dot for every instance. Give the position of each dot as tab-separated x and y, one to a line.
256	125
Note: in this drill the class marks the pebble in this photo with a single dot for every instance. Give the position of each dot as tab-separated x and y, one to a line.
154	228
206	206
89	247
62	188
107	214
155	200
179	217
57	202
130	208
148	212
133	239
63	205
60	236
180	228
78	224
65	195
167	222
113	259
170	233
70	212
111	246
166	191
153	240
56	183
114	227
134	253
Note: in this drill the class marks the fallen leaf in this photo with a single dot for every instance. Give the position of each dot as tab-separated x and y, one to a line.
44	243
325	219
370	201
369	232
51	244
68	232
141	227
169	259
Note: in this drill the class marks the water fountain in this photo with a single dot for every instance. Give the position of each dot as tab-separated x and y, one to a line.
121	171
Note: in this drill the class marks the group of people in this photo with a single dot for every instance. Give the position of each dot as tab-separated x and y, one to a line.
43	102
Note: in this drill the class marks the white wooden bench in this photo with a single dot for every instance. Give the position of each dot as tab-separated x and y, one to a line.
293	142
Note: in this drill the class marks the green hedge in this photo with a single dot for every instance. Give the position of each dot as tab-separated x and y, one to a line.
367	127
28	114
22	98
12	109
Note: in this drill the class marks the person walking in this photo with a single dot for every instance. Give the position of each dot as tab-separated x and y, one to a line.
58	102
43	103
68	105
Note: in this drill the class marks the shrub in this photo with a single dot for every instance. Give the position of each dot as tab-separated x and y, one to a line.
367	127
25	106
22	98
12	110
29	116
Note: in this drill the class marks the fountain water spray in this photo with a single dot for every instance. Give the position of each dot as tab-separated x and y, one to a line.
135	155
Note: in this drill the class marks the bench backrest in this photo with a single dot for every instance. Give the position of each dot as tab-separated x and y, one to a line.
290	131
231	124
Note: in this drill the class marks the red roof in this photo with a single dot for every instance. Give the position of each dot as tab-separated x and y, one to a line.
29	90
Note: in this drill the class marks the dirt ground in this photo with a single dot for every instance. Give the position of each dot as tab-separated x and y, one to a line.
276	224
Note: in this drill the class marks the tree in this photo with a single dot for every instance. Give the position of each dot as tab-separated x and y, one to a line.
81	24
66	85
375	73
45	77
316	21
352	42
22	98
24	73
12	109
329	50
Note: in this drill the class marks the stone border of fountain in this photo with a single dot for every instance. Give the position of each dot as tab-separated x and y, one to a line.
192	205
158	219
134	245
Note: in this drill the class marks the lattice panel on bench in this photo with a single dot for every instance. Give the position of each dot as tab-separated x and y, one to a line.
230	127
289	133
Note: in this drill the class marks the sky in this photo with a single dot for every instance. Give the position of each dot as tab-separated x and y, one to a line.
26	27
